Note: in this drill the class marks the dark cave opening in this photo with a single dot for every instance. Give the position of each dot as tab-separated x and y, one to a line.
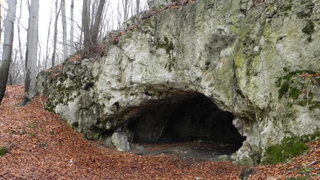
193	119
199	118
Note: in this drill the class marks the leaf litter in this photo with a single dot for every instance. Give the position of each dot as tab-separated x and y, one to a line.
42	146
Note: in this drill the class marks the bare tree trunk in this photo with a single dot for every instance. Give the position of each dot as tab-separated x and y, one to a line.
86	29
7	46
91	27
91	11
19	39
32	48
14	69
138	6
55	35
80	41
64	29
39	66
47	44
97	22
126	10
72	28
119	17
103	30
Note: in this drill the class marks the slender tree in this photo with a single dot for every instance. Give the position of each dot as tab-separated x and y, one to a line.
32	48
19	37
47	54
64	29
55	34
137	6
125	10
91	27
7	46
16	69
85	27
72	27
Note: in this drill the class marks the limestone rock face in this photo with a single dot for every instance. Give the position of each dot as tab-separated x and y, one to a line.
248	58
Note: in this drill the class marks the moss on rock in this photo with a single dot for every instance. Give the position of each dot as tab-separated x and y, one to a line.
284	87
310	137
309	28
294	87
307	9
294	93
289	148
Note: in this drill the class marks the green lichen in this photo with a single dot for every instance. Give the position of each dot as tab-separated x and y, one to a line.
166	44
170	64
294	93
125	37
309	28
306	100
303	14
289	148
285	69
240	59
284	87
3	151
291	80
306	10
169	47
298	89
314	105
69	83
285	8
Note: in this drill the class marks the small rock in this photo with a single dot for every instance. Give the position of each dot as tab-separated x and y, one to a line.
138	149
120	141
223	158
246	173
109	141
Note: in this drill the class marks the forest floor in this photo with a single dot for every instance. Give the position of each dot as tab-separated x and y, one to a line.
42	146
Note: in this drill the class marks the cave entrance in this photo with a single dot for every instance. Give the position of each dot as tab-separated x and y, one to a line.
195	119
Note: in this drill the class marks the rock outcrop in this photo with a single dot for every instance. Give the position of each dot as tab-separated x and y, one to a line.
256	61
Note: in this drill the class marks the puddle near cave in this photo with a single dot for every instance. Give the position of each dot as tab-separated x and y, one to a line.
194	129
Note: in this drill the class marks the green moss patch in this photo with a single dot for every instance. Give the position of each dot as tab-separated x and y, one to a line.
74	76
283	89
3	151
311	137
309	28
289	148
298	89
306	10
294	93
314	105
166	44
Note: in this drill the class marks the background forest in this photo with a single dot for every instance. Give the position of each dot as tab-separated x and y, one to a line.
61	32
